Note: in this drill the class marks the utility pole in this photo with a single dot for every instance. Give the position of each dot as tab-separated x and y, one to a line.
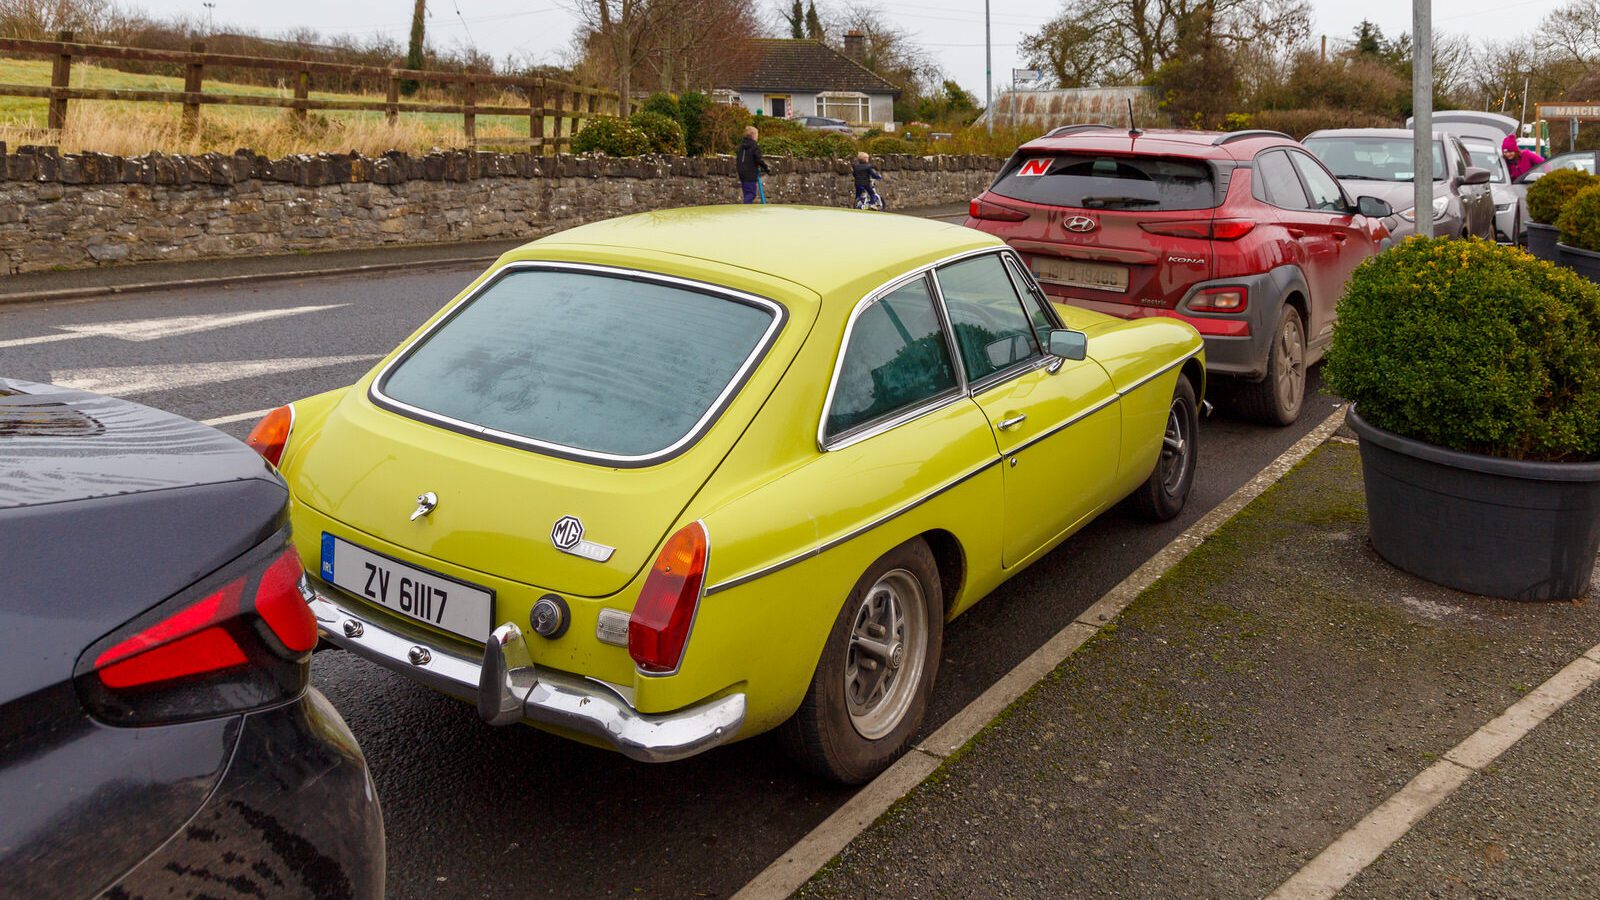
210	26
988	72
1422	114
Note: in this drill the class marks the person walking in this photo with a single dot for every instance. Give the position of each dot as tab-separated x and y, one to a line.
750	165
866	196
1518	160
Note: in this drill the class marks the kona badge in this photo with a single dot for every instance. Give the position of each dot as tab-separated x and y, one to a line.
427	502
1080	224
567	535
1189	260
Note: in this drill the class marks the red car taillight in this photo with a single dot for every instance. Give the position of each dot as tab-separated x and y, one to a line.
1221	299
1209	229
271	434
237	640
980	208
661	619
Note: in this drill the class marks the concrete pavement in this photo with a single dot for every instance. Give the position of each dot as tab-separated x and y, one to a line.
1248	709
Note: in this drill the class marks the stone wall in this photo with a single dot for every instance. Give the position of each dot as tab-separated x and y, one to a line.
69	211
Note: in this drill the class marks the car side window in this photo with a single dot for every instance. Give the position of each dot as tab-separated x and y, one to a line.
1460	154
1034	301
1324	191
897	358
992	330
1281	185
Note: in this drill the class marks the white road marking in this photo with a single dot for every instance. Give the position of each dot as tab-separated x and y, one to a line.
789	872
1344	859
170	326
122	381
238	417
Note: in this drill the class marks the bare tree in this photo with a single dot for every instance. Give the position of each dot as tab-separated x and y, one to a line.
620	28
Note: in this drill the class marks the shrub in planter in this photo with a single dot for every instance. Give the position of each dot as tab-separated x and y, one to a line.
1547	197
611	136
665	134
1579	224
1475	373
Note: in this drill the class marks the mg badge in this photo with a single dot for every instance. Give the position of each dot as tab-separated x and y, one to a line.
1080	224
567	535
426	503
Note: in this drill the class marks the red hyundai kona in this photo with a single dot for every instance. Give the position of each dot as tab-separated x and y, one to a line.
1246	236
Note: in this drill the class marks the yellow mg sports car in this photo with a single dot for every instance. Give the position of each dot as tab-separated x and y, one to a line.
671	480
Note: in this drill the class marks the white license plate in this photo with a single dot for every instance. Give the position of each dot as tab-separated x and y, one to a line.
1073	273
412	592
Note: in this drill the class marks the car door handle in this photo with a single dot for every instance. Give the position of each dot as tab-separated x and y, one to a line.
1340	236
1295	233
1012	422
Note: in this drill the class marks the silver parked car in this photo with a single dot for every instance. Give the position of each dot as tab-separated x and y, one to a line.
1481	133
823	123
1377	162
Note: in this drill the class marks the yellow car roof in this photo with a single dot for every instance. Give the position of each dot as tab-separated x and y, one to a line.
822	248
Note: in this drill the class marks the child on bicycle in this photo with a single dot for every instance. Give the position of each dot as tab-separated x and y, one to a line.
866	196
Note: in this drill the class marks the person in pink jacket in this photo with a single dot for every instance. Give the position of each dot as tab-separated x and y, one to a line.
1517	159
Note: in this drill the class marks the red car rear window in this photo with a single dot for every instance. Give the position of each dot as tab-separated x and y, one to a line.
1090	181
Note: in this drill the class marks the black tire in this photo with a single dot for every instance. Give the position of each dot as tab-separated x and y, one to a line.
1164	493
825	736
1277	398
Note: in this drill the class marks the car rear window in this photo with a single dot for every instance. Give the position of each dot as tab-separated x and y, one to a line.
1373	158
1098	181
600	364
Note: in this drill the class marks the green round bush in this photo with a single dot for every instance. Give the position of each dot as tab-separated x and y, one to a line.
884	146
1580	219
779	145
1548	195
666	135
1472	346
829	145
663	104
692	112
611	136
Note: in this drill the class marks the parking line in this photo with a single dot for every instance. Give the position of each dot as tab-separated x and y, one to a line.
1344	859
789	872
237	417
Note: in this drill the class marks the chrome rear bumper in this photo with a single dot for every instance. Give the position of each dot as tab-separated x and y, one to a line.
508	687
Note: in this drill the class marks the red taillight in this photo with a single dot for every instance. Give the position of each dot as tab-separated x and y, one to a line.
980	208
271	434
281	605
1209	229
237	640
659	627
1221	299
189	642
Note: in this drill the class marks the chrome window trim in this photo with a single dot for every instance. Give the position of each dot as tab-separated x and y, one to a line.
825	546
778	312
827	443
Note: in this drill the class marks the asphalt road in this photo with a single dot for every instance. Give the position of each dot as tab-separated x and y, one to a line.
477	811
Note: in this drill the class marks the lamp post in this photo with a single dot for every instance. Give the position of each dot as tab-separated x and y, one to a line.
988	72
1422	114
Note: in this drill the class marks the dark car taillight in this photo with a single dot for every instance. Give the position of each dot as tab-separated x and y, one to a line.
659	626
1211	229
980	208
237	640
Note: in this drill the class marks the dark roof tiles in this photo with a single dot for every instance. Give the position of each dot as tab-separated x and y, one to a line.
790	65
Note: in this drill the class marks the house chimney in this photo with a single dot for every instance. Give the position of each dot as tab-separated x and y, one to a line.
855	46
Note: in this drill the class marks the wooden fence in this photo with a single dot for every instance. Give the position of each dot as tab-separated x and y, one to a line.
565	105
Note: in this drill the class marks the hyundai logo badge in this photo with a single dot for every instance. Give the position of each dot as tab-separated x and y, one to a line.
1080	224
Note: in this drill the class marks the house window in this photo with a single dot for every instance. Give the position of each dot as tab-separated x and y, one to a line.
850	106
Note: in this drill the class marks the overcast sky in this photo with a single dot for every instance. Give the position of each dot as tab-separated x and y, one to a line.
951	30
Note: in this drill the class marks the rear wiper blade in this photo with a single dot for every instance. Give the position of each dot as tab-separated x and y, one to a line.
1097	202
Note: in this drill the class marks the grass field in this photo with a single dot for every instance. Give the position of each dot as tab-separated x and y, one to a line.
129	128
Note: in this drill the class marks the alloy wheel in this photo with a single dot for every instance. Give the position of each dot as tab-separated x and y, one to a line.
884	660
1289	351
1175	446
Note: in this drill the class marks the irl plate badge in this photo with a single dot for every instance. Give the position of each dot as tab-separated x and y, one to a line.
567	535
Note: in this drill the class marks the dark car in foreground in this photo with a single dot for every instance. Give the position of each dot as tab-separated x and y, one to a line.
1379	162
158	736
1245	236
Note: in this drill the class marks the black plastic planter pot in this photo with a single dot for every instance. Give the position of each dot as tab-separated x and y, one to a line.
1500	527
1584	262
1542	240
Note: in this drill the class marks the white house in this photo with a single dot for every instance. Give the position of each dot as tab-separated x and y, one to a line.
787	78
